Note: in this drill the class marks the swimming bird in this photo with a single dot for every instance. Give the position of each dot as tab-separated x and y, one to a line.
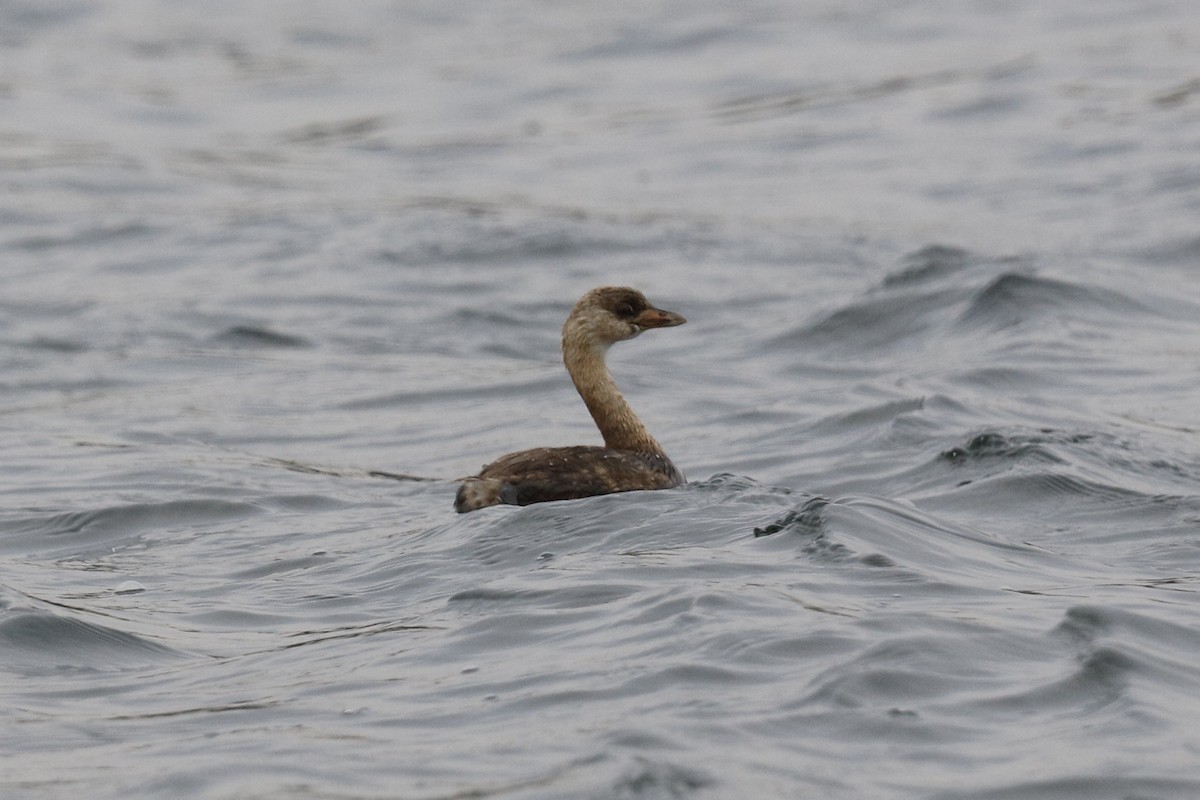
630	459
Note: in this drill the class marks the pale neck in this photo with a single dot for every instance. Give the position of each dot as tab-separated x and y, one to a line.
620	427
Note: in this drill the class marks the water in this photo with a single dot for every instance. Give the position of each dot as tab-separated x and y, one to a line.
936	399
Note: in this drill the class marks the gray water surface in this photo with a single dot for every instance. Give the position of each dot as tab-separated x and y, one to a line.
274	274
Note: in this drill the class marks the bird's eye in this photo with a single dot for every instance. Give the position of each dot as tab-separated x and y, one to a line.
624	310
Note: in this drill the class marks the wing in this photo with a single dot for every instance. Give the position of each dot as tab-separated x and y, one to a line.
567	473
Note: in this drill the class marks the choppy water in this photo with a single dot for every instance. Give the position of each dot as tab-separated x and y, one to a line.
936	397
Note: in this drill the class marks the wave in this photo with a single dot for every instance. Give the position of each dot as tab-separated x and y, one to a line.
942	294
35	642
80	533
1014	298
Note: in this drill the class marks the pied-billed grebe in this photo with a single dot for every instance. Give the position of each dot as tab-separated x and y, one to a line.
630	460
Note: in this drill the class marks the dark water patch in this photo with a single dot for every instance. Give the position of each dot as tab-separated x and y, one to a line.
641	775
57	345
312	503
932	263
90	237
1179	94
885	322
1086	787
327	38
340	132
1085	624
580	596
40	642
252	336
23	19
1087	150
1035	448
656	780
990	105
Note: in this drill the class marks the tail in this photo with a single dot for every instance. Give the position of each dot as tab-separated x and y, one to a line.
476	493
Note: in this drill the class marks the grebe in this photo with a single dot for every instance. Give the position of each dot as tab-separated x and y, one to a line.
630	460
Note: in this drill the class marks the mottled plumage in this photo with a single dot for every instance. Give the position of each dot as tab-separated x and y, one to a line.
631	458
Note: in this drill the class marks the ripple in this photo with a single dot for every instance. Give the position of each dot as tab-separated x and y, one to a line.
39	642
87	237
253	336
578	596
76	533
